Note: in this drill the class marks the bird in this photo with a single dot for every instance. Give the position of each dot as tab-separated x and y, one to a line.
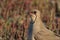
39	31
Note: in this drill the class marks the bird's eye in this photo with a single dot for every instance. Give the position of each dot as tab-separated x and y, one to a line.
34	12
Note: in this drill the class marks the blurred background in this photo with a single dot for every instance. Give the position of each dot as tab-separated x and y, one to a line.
14	18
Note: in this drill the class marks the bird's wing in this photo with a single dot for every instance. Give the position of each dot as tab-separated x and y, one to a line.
45	36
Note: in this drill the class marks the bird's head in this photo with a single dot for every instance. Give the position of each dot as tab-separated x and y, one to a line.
35	14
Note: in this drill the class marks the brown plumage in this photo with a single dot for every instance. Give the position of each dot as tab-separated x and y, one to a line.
40	32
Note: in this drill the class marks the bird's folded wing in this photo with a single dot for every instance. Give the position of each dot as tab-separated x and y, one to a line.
42	35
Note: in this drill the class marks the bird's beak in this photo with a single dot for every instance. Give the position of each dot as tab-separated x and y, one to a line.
29	13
